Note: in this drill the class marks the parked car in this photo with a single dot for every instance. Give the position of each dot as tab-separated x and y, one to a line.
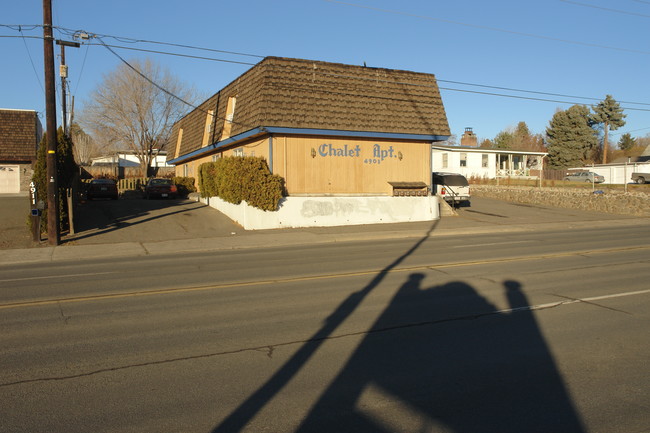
102	188
640	178
163	188
584	176
452	187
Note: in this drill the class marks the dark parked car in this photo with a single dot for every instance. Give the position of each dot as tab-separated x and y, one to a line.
102	188
163	188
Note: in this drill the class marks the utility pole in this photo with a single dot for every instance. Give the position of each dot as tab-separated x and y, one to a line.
53	234
63	73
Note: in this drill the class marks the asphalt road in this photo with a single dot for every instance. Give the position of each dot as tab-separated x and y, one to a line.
536	331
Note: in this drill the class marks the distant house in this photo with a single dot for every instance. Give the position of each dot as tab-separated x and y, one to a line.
129	159
20	133
487	163
327	128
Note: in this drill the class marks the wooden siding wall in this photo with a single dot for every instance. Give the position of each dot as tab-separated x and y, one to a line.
331	166
335	166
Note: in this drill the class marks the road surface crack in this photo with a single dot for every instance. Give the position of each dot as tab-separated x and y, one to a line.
63	316
585	301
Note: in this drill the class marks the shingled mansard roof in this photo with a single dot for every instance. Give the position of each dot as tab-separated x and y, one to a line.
20	131
305	94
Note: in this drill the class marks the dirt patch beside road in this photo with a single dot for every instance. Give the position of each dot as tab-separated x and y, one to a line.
14	232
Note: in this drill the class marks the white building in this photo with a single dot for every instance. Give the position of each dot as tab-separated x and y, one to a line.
129	159
487	163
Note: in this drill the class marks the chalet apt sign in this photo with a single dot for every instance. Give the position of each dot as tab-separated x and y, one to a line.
379	153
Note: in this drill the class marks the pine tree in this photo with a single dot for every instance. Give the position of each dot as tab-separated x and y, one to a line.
626	142
66	170
503	140
570	137
610	114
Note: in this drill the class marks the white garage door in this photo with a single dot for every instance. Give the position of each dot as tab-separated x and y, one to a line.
9	179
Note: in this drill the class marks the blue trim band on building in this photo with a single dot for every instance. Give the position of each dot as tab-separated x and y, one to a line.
300	131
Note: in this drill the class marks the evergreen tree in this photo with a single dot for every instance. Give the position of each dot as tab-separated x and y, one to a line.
66	169
570	137
610	114
503	140
523	139
487	144
626	142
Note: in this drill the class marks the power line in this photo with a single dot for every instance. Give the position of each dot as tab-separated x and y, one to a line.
429	85
31	61
70	32
618	11
174	54
83	64
536	92
124	39
195	107
410	84
494	29
529	98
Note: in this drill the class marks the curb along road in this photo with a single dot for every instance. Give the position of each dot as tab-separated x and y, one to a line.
278	239
217	233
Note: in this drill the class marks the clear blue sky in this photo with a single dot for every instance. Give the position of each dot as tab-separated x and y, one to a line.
581	48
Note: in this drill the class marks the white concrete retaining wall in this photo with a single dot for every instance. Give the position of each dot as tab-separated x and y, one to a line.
330	211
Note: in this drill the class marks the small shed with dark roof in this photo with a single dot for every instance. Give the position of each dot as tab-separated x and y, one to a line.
20	133
327	128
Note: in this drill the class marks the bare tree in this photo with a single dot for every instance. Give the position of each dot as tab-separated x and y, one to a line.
85	147
129	112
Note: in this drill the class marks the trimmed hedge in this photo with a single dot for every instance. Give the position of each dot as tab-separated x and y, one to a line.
235	179
185	185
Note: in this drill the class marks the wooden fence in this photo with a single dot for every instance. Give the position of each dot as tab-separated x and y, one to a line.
113	172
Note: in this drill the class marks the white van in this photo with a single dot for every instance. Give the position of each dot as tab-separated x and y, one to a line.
452	187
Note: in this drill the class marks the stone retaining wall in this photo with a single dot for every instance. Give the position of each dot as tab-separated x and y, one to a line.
603	200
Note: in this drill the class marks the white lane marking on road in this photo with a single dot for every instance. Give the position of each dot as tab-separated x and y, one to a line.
491	244
49	277
573	301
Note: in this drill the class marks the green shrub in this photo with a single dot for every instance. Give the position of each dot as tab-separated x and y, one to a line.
237	179
185	185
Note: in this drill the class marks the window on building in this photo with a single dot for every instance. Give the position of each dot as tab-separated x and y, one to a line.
178	142
463	160
207	131
186	170
230	115
238	152
484	160
445	160
216	156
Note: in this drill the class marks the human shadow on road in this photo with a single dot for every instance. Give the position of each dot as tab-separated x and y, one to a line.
238	419
438	359
443	359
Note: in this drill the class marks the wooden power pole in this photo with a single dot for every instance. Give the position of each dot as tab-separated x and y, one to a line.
53	234
63	73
